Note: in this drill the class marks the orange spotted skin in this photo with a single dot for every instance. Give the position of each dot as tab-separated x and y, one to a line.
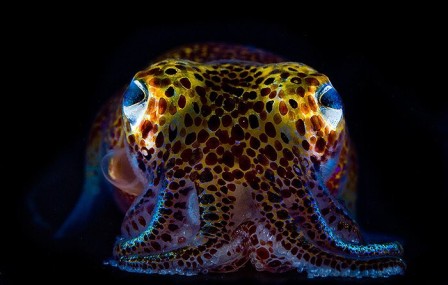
240	156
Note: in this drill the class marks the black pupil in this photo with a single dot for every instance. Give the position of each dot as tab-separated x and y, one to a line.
331	99
133	95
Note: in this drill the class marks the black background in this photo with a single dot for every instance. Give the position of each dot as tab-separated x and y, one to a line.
384	66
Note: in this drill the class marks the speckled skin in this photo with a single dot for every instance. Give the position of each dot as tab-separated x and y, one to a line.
224	154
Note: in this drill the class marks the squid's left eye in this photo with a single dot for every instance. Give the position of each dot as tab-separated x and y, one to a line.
330	104
135	99
329	97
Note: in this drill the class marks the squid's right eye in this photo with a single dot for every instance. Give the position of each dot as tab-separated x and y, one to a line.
135	93
135	101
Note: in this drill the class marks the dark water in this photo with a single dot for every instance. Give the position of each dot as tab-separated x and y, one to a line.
394	110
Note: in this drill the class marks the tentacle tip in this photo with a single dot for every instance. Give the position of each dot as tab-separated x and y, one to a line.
402	265
400	248
398	268
110	262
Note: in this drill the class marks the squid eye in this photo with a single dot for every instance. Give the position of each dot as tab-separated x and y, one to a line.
134	94
329	97
135	101
330	104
